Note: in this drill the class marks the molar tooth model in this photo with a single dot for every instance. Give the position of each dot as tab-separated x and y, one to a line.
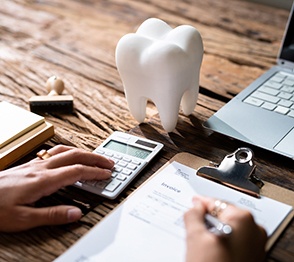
161	64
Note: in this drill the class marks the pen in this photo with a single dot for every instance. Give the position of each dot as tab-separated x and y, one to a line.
217	227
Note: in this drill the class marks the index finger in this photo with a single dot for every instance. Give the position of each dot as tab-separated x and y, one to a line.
70	156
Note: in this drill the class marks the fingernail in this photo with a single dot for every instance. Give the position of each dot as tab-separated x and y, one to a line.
111	161
108	172
74	214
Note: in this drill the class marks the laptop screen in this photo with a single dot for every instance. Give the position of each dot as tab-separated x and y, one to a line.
287	51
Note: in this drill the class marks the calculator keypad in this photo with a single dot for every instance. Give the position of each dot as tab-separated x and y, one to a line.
124	169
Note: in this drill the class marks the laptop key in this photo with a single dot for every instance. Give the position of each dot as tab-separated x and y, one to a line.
291	113
284	95
273	84
289	82
253	101
281	75
285	103
288	89
268	106
278	78
265	97
268	90
282	110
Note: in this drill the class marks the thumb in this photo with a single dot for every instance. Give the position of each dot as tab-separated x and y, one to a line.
55	215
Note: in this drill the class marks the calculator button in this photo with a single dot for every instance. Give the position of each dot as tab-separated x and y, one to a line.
101	184
108	154
91	182
114	174
78	183
114	184
117	156
114	160
131	166
99	151
121	177
127	172
136	162
117	169
127	159
122	163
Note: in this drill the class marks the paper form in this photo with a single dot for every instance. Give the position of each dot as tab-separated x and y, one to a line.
149	225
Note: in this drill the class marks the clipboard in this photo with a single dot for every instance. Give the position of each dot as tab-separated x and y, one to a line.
269	190
153	214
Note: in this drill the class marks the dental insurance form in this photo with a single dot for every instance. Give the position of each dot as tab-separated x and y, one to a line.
149	226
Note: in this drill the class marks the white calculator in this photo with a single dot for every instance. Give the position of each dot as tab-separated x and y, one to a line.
130	154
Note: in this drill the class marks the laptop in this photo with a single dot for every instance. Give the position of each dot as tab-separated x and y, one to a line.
263	113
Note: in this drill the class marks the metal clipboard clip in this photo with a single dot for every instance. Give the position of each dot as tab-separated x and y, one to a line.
236	171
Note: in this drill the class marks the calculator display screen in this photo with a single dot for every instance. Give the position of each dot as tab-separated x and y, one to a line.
127	149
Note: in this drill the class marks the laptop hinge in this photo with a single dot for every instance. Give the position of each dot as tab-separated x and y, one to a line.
286	65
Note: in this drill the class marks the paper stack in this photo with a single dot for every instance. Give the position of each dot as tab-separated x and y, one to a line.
21	131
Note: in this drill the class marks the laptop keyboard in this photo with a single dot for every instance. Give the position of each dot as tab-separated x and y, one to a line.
276	94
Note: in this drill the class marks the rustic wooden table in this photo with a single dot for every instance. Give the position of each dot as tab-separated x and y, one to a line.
76	40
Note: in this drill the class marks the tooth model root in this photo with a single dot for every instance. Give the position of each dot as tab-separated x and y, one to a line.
163	65
189	101
137	106
168	113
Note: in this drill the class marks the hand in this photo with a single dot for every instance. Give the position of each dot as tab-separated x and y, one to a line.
246	243
23	185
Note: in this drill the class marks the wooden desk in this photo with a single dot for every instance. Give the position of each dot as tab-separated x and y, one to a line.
76	40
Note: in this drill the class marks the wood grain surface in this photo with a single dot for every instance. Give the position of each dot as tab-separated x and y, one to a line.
76	41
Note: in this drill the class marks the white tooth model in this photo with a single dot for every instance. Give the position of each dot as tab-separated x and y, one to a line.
161	64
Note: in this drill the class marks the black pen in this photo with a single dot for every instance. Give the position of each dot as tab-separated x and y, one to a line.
217	227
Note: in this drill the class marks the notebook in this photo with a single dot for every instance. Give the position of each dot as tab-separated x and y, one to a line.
263	113
21	131
15	122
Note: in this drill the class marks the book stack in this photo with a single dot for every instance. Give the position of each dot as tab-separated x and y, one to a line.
21	132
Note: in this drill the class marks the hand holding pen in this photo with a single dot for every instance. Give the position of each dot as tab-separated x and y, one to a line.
209	220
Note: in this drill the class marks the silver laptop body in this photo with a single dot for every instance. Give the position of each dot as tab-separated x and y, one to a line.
266	121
